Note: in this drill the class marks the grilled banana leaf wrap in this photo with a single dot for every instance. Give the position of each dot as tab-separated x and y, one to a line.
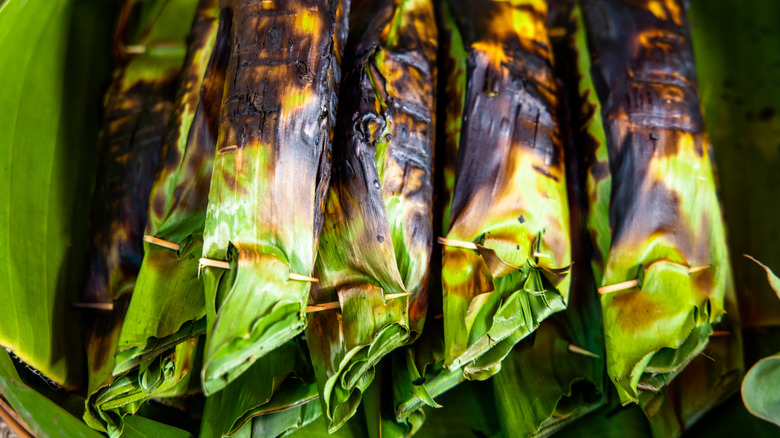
271	172
375	248
276	393
660	259
138	105
168	304
165	375
507	253
418	371
558	374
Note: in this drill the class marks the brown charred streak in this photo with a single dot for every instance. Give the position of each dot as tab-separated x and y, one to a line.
644	74
127	162
268	51
213	86
506	105
100	326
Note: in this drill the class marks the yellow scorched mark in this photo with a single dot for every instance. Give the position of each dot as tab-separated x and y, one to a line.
665	10
659	39
297	98
515	23
685	162
307	22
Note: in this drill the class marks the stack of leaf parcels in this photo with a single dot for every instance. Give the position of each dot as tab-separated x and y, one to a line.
318	217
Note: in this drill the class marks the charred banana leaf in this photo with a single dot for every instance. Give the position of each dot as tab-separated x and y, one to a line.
137	110
557	375
507	252
418	371
270	177
168	304
375	249
661	261
138	106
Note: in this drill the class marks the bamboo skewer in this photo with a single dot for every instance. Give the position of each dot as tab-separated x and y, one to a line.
297	277
93	306
164	243
579	350
457	243
630	284
335	304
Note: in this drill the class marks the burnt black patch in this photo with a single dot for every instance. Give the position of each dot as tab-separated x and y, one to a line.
418	381
766	113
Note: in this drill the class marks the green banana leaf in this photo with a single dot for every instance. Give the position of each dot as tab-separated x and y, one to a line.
379	411
376	243
275	395
354	428
419	374
137	426
469	412
40	415
270	177
707	381
281	423
737	69
556	376
52	55
661	260
165	375
168	304
507	251
611	421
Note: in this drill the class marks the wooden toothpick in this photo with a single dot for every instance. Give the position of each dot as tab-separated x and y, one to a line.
299	277
335	304
579	350
457	243
630	284
164	243
93	306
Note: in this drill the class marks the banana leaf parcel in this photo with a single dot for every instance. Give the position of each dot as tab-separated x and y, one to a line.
137	111
375	248
168	303
507	252
138	108
660	259
557	375
270	177
165	375
418	370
